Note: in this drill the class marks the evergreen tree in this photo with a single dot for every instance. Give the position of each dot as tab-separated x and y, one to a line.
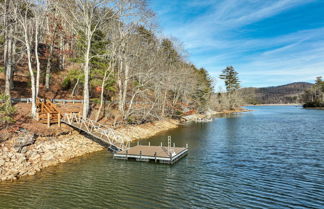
230	77
314	97
232	84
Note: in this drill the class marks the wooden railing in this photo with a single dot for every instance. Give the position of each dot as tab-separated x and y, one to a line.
47	112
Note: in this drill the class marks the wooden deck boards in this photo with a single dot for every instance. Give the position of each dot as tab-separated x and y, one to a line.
156	153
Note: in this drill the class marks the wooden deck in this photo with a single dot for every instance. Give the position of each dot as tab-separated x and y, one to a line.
161	154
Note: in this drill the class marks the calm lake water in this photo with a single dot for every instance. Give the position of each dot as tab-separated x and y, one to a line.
272	157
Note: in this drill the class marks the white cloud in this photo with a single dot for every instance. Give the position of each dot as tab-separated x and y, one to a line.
214	41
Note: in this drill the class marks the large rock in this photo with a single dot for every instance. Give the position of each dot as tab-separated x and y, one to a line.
2	162
48	156
25	139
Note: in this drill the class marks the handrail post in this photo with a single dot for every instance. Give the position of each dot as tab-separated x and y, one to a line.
48	120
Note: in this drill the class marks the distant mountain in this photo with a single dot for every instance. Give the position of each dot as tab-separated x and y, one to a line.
284	94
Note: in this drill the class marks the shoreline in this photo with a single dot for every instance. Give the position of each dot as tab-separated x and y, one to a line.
26	154
314	108
273	105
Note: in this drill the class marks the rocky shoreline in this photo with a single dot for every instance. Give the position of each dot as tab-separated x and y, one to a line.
25	153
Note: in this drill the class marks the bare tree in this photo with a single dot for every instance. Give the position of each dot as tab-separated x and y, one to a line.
25	20
86	17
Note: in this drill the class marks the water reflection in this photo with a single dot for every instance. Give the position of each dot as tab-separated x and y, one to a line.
269	158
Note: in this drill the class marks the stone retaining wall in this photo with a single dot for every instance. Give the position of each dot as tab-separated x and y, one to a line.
17	160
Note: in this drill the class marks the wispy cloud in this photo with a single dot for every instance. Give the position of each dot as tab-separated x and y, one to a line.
219	33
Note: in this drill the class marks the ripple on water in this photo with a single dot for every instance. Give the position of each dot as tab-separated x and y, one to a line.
269	158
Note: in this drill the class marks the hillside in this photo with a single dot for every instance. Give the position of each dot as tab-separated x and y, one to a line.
284	94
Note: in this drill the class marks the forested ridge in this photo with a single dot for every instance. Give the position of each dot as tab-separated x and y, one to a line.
284	94
106	52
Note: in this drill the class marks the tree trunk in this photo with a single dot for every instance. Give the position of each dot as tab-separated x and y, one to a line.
120	88
8	63
164	102
86	95
61	52
101	95
5	31
32	76
125	87
73	90
48	68
13	61
37	59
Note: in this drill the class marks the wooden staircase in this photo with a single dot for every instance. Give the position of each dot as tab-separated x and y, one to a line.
47	112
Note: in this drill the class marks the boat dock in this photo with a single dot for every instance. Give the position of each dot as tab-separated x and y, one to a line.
158	154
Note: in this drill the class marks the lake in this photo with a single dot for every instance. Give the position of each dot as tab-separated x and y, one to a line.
272	157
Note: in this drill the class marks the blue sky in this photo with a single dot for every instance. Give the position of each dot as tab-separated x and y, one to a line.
268	42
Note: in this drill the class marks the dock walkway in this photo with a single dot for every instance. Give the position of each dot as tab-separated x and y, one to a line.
47	112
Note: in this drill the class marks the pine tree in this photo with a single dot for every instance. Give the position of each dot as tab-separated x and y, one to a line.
230	77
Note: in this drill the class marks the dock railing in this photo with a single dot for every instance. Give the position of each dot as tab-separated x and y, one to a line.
116	140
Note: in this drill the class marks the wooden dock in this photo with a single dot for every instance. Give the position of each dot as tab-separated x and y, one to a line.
48	112
157	154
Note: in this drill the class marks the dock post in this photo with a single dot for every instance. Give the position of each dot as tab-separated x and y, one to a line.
155	156
141	154
173	145
161	144
126	154
137	143
187	146
169	143
48	120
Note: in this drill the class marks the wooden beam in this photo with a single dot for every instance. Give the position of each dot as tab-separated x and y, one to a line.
48	120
